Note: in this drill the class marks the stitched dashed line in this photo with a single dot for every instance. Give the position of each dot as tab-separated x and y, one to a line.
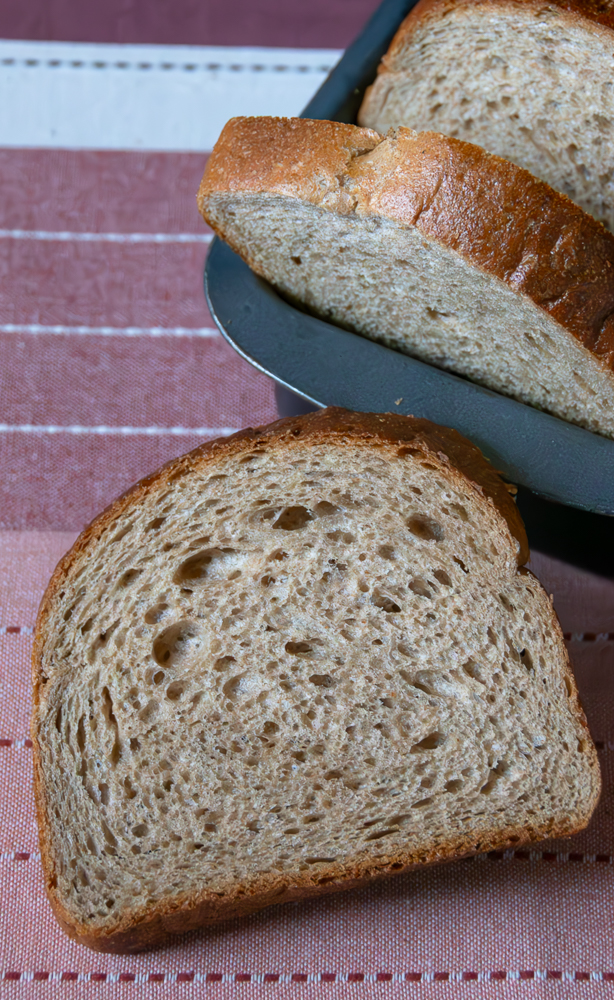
549	857
206	332
20	856
285	978
67	237
120	431
16	630
182	67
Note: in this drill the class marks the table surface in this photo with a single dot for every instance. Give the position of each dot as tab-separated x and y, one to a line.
111	366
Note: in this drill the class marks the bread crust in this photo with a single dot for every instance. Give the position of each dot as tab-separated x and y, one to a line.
495	215
450	453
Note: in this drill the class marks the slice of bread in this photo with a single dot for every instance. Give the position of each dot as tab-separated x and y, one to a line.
528	80
290	662
429	245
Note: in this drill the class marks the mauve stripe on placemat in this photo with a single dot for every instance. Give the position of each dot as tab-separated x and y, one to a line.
100	191
102	284
320	23
131	381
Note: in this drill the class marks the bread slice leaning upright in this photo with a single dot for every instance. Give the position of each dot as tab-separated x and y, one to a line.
431	246
527	80
290	662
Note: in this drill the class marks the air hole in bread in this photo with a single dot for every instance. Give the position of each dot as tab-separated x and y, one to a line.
325	509
223	663
425	528
385	602
149	710
430	742
210	564
382	833
409	453
175	690
474	670
121	533
128	577
425	680
232	688
386	552
175	643
322	680
293	519
156	523
420	587
298	647
109	716
110	839
156	614
494	776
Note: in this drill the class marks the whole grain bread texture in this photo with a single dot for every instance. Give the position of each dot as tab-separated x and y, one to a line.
290	662
528	80
431	246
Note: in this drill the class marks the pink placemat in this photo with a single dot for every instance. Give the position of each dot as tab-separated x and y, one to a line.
84	415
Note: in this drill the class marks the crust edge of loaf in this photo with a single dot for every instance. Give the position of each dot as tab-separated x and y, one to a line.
201	911
582	309
451	452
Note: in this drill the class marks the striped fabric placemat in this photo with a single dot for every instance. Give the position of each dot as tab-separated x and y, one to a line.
111	365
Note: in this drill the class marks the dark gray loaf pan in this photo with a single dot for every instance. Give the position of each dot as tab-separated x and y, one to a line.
317	364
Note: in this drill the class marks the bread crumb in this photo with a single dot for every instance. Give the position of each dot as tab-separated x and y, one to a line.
398	401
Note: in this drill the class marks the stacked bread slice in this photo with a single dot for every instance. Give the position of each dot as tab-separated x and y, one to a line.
430	245
528	80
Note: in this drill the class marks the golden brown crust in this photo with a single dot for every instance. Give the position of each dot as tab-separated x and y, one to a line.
194	915
246	158
446	449
494	214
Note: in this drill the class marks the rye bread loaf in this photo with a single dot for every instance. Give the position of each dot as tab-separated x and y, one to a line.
290	662
431	246
528	80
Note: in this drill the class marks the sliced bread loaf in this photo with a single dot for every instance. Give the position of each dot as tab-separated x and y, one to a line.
429	245
289	662
528	80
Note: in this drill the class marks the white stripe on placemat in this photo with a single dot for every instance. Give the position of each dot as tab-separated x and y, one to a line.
112	331
77	95
36	234
119	431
